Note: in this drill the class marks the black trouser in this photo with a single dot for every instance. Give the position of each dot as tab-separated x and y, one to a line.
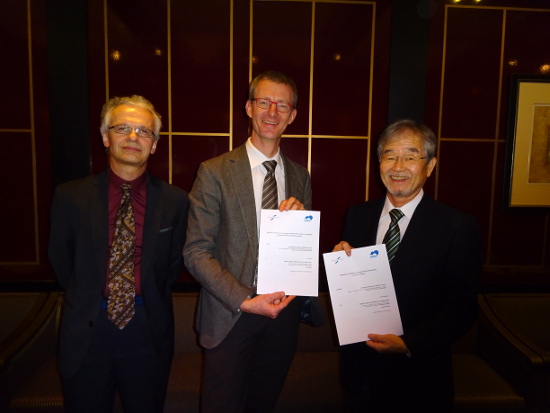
247	371
119	360
395	383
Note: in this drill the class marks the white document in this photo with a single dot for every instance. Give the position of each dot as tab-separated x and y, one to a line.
362	294
288	257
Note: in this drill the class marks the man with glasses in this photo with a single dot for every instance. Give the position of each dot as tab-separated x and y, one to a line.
435	257
249	339
115	246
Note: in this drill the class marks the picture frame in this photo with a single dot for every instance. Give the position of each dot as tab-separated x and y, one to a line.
527	163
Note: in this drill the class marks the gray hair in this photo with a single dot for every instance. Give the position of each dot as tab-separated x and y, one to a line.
277	77
429	140
136	101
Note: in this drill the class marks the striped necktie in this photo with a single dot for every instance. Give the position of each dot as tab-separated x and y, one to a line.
269	193
393	236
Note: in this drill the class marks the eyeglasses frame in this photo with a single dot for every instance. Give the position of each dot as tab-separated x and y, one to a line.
136	130
291	106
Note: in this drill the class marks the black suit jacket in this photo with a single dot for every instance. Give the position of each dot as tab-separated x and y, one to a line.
78	252
435	272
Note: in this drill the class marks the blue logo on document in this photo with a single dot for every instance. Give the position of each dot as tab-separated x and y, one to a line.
337	260
308	218
273	217
374	254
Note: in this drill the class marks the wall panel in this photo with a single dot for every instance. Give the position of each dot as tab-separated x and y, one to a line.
200	55
18	218
480	47
527	30
526	50
285	46
24	130
14	79
339	180
342	69
193	59
18	233
472	66
136	51
190	151
241	50
469	190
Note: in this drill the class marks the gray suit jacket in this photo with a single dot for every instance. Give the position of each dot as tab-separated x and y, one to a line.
222	237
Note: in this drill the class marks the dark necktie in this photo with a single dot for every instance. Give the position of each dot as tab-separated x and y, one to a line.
269	193
122	292
392	237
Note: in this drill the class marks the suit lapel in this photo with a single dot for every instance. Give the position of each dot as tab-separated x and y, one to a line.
289	178
241	178
151	224
373	220
417	237
417	228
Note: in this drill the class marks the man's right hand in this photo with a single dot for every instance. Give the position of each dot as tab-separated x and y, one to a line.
343	246
268	305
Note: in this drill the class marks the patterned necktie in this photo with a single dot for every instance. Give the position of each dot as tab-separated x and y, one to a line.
393	236
269	193
122	292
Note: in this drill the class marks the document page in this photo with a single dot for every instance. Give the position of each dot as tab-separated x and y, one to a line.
362	294
288	257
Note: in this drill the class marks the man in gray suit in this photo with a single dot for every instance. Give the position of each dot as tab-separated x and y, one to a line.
249	339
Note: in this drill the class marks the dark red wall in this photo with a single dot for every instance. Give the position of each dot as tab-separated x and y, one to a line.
195	64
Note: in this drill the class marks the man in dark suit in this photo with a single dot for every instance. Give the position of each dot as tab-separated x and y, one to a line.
103	350
434	271
249	339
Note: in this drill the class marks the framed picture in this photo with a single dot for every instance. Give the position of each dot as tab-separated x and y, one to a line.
527	173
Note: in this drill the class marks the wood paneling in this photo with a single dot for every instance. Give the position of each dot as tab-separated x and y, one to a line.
193	59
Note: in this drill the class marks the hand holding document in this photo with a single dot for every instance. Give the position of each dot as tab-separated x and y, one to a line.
288	257
362	294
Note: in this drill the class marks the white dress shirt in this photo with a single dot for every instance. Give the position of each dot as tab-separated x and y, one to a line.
259	172
385	219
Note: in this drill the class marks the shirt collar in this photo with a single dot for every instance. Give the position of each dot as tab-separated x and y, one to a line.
407	209
256	157
137	183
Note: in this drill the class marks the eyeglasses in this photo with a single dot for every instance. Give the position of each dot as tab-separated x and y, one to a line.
126	130
408	159
265	103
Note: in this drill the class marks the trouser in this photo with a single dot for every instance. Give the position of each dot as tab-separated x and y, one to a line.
247	371
123	361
